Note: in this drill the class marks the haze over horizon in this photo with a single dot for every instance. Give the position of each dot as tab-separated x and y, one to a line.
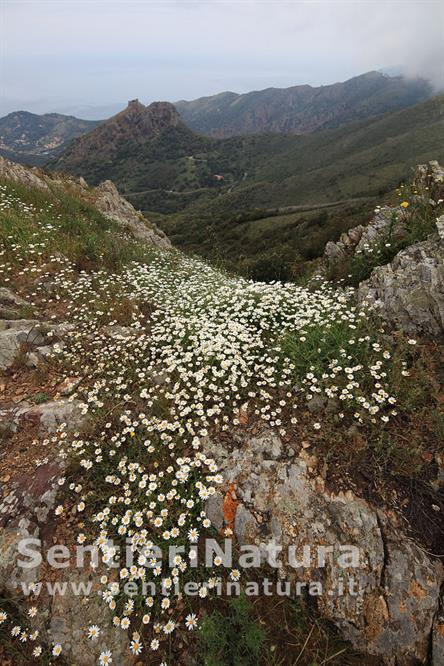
170	50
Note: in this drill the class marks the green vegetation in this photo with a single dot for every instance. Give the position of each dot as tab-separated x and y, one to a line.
60	221
272	631
237	221
234	637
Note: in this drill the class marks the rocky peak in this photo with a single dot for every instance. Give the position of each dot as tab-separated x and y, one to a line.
134	103
139	123
132	127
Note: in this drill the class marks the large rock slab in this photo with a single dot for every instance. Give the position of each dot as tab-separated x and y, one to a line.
72	615
68	414
27	511
284	500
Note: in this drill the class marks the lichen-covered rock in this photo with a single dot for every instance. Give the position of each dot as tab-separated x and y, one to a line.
27	511
72	615
24	512
438	640
283	499
409	292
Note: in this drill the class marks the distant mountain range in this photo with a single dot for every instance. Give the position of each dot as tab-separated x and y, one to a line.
241	196
302	109
30	138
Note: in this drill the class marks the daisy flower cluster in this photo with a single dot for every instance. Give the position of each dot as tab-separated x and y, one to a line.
28	636
171	352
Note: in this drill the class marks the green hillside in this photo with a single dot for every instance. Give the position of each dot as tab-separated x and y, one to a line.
175	179
360	161
30	138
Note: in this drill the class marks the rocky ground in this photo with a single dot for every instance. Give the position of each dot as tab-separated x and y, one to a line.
158	399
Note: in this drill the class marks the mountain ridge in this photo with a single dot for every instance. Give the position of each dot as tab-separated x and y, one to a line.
302	108
34	138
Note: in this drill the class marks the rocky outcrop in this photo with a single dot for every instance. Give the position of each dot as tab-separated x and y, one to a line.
23	175
11	305
363	237
67	414
27	512
409	292
24	511
283	499
388	223
132	127
18	336
105	198
109	202
29	341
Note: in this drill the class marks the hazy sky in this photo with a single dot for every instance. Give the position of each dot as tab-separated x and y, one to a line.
66	55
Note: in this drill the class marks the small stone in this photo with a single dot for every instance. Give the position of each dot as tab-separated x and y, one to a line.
316	404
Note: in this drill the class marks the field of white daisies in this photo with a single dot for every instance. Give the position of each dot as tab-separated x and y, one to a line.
166	352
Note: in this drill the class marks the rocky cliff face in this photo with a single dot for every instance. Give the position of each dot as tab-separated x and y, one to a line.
128	129
105	198
408	291
281	497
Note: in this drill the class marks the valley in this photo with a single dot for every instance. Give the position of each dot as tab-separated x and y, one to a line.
213	196
295	168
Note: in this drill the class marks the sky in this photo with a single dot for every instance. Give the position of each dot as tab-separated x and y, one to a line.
89	57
